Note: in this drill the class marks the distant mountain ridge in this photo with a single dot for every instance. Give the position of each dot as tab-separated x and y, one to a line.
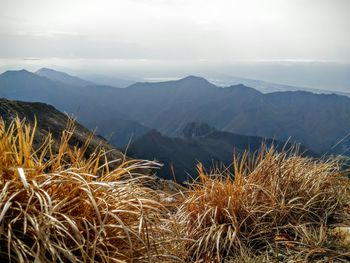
317	121
63	77
269	87
200	143
89	103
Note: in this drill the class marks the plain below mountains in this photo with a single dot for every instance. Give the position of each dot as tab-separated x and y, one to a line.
318	121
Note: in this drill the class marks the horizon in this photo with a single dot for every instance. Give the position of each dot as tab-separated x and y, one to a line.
292	42
315	77
249	83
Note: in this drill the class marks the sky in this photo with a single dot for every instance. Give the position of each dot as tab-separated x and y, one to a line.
165	38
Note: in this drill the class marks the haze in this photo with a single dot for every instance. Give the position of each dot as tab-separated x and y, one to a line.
169	38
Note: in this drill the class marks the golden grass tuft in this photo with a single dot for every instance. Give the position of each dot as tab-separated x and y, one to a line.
58	206
272	203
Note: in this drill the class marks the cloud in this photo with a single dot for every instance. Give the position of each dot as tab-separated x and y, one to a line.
32	59
46	33
223	30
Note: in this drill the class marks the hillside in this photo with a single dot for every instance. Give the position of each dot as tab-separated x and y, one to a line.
200	142
51	120
119	132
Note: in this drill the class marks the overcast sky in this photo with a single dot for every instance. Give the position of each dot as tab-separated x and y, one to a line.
177	29
169	32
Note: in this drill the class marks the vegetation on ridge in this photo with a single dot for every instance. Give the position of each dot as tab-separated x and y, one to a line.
61	207
58	206
277	202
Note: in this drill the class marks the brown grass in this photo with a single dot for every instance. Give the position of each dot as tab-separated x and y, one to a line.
61	207
276	202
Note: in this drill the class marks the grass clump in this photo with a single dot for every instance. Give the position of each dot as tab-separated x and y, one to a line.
273	206
58	206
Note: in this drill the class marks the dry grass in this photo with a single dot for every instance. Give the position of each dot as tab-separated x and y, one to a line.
56	205
61	207
277	204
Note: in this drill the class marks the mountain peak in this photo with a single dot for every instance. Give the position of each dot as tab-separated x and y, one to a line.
62	77
21	71
44	70
193	78
242	87
18	73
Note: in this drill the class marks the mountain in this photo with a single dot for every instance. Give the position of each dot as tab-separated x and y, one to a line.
195	129
200	143
119	132
317	121
269	87
63	77
51	120
85	102
89	103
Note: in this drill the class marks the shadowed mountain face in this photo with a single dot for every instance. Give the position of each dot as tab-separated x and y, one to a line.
195	129
51	120
317	121
201	143
119	132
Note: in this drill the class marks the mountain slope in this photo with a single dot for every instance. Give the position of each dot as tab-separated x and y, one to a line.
89	103
119	132
51	120
317	121
27	86
201	143
62	77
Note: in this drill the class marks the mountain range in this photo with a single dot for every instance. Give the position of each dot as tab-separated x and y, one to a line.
317	121
199	143
269	87
91	104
